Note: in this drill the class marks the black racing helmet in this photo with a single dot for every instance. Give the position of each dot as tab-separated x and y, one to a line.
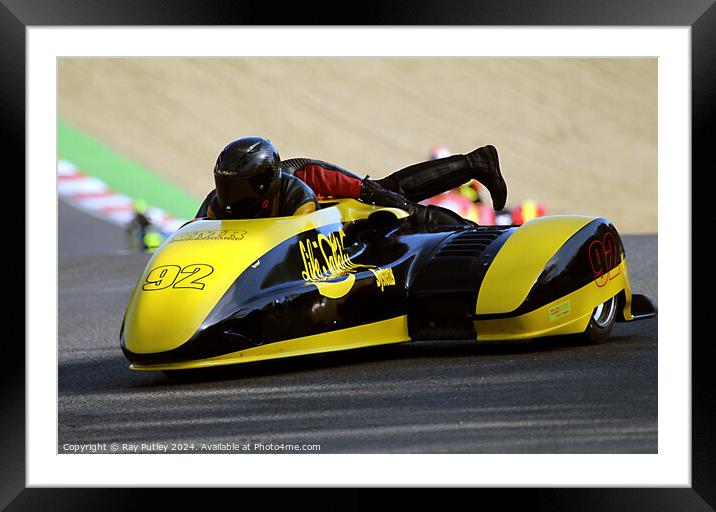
247	175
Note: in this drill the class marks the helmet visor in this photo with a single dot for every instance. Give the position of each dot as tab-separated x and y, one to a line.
244	195
261	183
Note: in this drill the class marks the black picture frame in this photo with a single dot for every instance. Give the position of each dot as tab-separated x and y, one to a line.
17	15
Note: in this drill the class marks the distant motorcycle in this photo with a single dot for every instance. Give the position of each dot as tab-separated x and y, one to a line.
142	234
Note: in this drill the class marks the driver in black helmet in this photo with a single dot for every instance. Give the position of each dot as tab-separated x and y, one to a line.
252	182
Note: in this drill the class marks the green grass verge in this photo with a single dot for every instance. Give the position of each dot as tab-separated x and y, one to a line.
121	174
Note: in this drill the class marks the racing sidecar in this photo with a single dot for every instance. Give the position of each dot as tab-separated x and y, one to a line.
354	275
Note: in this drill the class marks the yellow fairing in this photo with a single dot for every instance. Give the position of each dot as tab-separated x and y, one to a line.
193	269
521	260
394	330
567	315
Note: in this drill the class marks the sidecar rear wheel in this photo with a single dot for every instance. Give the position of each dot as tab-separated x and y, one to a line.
601	323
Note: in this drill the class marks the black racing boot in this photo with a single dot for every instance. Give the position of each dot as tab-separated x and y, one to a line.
427	179
486	170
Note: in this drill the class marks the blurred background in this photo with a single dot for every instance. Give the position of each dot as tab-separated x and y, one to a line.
576	135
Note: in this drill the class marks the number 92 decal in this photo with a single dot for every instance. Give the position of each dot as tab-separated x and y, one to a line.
174	276
604	259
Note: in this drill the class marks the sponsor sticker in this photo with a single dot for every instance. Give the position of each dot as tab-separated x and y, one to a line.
327	265
383	277
214	234
560	310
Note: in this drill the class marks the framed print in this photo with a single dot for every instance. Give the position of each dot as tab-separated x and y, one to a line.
598	116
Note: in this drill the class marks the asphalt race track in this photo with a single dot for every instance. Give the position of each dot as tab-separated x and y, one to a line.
549	396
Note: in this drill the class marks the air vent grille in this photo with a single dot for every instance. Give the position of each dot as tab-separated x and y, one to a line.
471	243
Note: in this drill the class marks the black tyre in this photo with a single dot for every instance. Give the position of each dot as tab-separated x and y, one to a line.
602	321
